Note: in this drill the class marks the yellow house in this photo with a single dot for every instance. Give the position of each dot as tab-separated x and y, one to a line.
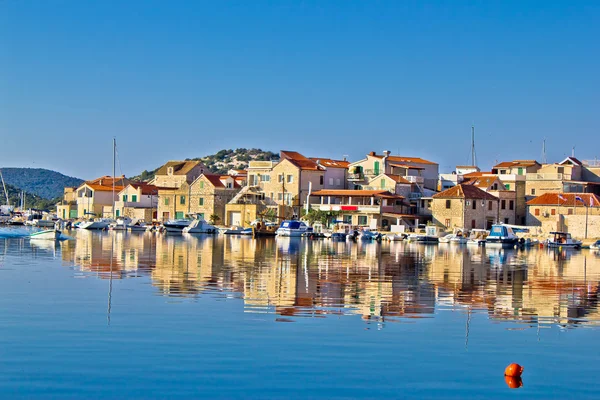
67	207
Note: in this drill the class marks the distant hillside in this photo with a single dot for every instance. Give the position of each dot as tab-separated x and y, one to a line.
31	200
41	182
223	161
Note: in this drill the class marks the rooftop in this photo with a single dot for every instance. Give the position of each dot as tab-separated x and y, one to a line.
566	200
179	167
299	160
328	162
464	191
517	163
403	159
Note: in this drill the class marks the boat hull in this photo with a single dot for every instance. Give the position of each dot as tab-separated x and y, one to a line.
50	234
95	225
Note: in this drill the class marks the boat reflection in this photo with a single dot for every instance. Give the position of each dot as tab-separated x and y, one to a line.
380	282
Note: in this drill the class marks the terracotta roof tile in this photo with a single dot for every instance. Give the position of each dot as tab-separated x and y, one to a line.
299	160
146	188
465	191
398	178
517	163
404	159
485	182
328	162
565	199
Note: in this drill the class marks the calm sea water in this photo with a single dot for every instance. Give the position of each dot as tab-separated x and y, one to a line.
122	315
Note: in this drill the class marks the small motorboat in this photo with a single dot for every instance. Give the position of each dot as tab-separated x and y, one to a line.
394	237
97	224
293	229
199	225
48	234
563	239
138	226
232	230
501	235
367	235
176	225
477	237
595	245
120	224
446	239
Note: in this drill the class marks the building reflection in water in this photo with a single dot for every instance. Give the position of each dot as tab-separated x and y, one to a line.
382	282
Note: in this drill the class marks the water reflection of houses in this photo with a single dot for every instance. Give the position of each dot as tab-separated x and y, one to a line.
530	286
186	266
110	254
326	277
377	281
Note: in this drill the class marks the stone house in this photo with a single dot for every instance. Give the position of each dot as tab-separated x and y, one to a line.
282	185
175	173
207	195
566	212
138	200
465	206
507	201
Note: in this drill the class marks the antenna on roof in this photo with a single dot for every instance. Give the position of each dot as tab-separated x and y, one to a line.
544	161
573	152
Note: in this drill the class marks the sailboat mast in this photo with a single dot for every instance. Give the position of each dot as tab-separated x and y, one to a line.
113	180
473	156
4	186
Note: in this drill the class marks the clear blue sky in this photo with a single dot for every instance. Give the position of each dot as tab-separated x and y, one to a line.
177	79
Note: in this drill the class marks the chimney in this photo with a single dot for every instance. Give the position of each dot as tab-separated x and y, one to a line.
386	153
372	153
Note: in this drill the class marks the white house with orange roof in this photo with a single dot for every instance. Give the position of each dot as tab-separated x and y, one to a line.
138	200
414	169
96	197
336	172
377	209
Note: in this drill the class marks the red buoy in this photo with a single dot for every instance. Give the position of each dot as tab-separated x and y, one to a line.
514	370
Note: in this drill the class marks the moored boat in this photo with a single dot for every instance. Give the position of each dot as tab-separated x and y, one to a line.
293	229
49	234
563	239
199	225
99	223
176	225
501	235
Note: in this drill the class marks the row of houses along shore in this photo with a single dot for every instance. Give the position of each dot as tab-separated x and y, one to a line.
381	191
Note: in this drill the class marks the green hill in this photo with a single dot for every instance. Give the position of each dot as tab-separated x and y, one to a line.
31	200
44	183
223	161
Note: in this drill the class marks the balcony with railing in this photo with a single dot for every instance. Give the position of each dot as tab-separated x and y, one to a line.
371	209
415	179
